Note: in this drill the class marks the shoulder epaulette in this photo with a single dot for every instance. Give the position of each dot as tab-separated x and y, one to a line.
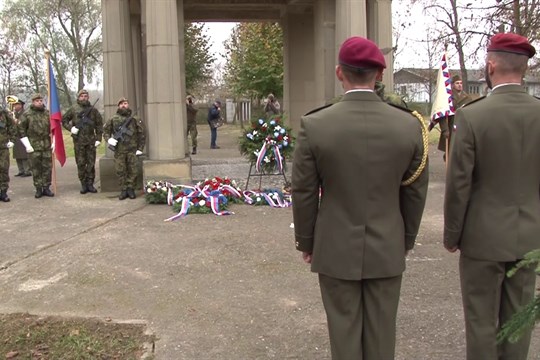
400	107
317	109
473	101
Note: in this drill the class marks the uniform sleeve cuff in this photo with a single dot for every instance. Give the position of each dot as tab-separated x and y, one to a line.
304	244
409	241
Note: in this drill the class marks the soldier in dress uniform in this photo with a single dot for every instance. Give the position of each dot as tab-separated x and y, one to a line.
8	133
357	153
459	98
35	132
492	209
85	123
19	152
126	134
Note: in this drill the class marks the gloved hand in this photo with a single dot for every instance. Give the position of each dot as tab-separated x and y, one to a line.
112	141
52	146
96	144
26	143
138	152
9	144
74	130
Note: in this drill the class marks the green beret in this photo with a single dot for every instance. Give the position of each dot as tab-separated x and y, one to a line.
121	100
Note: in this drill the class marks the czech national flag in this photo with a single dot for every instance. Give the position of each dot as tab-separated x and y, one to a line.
56	119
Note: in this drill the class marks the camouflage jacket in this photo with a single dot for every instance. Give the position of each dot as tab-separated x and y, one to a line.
128	143
90	129
8	129
36	125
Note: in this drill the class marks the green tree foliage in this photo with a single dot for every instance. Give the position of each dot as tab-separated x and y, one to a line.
69	29
524	319
198	59
255	60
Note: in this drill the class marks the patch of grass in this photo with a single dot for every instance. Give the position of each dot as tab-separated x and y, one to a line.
70	151
24	336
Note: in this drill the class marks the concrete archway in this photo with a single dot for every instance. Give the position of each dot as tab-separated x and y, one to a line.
143	60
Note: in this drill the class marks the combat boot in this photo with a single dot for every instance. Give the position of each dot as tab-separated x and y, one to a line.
39	193
4	196
47	192
84	189
194	150
123	195
131	193
90	187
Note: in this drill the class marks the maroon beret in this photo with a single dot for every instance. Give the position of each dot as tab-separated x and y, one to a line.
511	43
361	53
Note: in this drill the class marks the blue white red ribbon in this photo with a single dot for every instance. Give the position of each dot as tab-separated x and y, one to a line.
277	154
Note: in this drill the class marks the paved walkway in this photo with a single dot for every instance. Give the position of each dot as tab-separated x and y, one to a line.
209	287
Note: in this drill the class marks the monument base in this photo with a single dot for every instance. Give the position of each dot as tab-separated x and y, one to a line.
175	171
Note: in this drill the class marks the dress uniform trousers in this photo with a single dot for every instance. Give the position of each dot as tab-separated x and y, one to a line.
361	316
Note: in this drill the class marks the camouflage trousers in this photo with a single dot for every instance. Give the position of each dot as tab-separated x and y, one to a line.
192	130
126	165
4	169
41	164
85	157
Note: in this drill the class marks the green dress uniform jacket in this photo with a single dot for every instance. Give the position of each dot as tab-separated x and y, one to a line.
358	151
492	209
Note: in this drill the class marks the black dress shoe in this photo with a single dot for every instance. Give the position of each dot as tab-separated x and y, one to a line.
47	192
3	196
123	195
131	193
39	193
26	174
20	174
90	187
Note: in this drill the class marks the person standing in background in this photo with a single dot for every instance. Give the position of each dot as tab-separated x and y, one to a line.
19	152
8	132
191	111
214	121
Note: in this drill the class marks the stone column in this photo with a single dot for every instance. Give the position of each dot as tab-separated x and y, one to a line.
380	31
325	44
299	66
118	73
351	20
165	103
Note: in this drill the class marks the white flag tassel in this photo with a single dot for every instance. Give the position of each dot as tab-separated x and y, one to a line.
442	104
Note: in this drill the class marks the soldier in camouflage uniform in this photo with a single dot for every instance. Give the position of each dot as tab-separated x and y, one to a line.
85	123
8	133
192	122
35	132
125	133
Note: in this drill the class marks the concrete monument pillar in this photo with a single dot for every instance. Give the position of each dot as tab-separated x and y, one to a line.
380	31
325	44
299	63
118	72
351	20
164	95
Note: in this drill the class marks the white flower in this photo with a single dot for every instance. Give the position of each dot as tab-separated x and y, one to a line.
258	199
149	190
202	203
278	128
255	132
266	159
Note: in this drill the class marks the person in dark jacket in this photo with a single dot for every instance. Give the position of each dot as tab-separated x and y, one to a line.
214	121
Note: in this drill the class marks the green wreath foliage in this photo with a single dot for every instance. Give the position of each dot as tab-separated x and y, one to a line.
270	131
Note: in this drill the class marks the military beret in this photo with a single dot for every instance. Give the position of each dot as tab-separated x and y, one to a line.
455	78
82	91
121	100
361	53
37	96
511	43
19	101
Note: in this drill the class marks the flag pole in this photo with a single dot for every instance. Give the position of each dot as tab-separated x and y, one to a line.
53	157
447	143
